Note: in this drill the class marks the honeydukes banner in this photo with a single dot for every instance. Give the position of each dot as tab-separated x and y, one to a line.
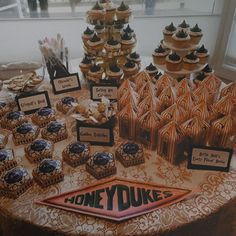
117	199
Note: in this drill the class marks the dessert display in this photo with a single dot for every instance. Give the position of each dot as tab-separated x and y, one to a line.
3	141
7	160
15	182
25	133
24	83
38	150
48	172
55	131
109	44
13	119
130	154
76	154
65	104
43	116
101	165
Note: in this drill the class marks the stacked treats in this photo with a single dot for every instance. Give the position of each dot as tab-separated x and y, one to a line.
179	49
108	46
171	116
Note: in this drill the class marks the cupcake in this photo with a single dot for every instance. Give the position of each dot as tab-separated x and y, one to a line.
38	150
123	12
100	30
168	32
202	54
88	34
181	39
159	55
195	34
15	182
207	70
134	57
95	73
130	154
101	165
43	116
95	43
130	68
129	31
76	154
114	72
127	42
48	172
97	14
65	104
183	26
190	61
112	45
85	65
173	62
117	30
151	70
25	133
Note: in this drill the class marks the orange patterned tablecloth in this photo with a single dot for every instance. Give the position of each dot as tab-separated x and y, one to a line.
23	217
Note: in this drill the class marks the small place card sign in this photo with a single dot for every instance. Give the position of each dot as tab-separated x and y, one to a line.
117	199
106	90
210	158
31	102
66	84
96	134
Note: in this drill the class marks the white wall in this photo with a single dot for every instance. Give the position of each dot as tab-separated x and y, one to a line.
19	38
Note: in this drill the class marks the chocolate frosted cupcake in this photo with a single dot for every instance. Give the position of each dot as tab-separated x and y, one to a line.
202	54
134	57
95	73
76	154
130	68
39	150
15	182
7	160
168	32
151	70
112	45
181	39
95	44
65	104
127	42
25	133
207	70
55	131
130	154
173	62
114	72
85	65
48	172
13	119
159	55
190	61
88	34
43	116
101	165
4	108
183	26
97	14
129	31
195	34
123	12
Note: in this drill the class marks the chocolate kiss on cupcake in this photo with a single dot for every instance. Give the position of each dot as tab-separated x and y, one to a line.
160	49
151	67
170	27
181	34
196	29
14	175
114	68
202	49
95	38
88	31
207	69
86	61
97	6
128	30
126	36
174	57
101	158
112	42
47	166
184	25
134	55
123	7
129	64
95	68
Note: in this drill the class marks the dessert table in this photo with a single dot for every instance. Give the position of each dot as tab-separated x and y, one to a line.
209	212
